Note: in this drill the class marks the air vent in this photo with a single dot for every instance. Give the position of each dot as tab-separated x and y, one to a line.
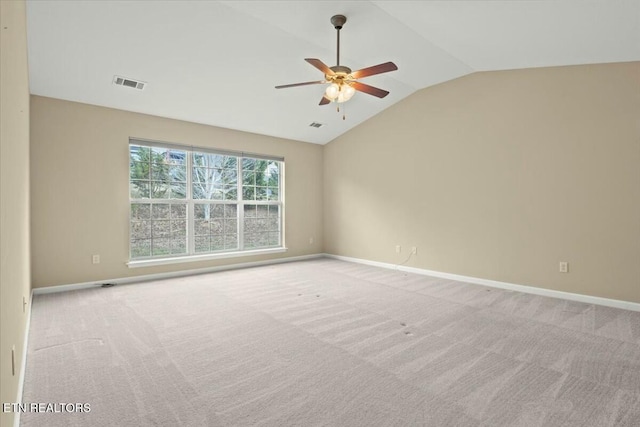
316	124
123	81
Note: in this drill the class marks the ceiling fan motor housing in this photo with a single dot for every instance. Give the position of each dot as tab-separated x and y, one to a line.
340	69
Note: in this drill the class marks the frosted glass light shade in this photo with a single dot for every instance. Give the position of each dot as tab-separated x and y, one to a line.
332	91
346	92
339	92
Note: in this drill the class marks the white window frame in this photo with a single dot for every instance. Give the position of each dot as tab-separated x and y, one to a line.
191	255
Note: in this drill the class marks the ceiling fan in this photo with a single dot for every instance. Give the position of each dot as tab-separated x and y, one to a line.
343	82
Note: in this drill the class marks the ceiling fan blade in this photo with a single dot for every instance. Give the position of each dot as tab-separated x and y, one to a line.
300	84
324	101
369	89
320	66
376	69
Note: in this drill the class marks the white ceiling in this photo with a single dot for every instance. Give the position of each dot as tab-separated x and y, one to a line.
217	62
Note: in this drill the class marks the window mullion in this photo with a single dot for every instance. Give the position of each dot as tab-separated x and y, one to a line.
240	208
190	206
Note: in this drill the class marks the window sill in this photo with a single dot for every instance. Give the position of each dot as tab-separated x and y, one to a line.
206	257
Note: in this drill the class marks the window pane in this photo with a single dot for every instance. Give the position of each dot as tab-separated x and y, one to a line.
161	228
160	172
229	177
200	174
274	239
248	178
249	211
140	211
140	229
257	240
216	226
249	225
231	162
230	226
230	211
262	211
161	247
272	224
177	157
272	173
159	190
248	193
138	153
179	246
216	211
178	191
140	248
178	228
231	193
261	193
261	165
198	159
217	243
139	170
178	173
272	193
231	241
178	211
248	164
202	244
274	211
139	189
208	160
217	194
250	240
160	211
201	227
261	179
199	211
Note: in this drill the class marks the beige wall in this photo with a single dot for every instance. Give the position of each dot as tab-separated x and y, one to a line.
80	199
499	175
14	195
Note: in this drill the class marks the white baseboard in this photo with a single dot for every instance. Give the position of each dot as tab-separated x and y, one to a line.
168	275
626	305
23	364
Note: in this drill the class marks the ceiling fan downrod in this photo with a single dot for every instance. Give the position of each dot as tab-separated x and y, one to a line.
338	21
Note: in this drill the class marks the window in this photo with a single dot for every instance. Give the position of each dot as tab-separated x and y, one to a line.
190	202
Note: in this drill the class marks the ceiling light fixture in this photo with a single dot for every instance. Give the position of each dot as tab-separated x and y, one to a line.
339	92
343	83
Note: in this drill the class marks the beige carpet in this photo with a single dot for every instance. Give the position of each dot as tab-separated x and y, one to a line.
330	343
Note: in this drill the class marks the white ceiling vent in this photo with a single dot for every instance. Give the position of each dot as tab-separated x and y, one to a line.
316	124
123	81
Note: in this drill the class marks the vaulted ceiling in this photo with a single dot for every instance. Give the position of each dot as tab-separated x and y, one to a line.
217	62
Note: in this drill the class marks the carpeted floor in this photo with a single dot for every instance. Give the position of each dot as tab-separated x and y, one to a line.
329	343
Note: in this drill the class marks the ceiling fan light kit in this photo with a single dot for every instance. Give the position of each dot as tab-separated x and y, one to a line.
343	83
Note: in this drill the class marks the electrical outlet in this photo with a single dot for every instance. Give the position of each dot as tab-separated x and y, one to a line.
398	249
414	250
95	259
311	240
563	267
